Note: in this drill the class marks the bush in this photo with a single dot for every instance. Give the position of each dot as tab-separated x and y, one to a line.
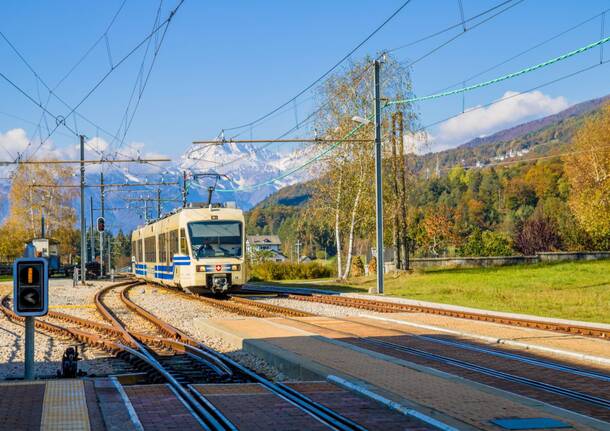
373	265
289	271
487	243
357	269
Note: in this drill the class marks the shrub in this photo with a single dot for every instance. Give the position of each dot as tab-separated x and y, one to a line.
373	265
289	271
357	269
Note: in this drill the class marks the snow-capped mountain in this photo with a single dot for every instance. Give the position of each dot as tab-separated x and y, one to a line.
253	173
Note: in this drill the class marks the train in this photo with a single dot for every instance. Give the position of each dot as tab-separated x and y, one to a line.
199	248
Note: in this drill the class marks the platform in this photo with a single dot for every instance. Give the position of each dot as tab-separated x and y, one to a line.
105	404
454	401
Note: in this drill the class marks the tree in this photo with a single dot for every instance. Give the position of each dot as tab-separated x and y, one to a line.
28	204
588	171
348	167
538	233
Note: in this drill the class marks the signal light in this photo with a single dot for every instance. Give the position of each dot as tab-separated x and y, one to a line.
101	224
30	286
30	275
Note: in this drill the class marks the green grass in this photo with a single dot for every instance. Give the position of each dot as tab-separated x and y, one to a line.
6	277
570	290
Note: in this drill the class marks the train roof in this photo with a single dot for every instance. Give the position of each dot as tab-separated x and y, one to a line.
198	208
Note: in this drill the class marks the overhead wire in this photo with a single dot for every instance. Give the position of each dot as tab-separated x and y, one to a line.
327	72
116	65
470	88
480	14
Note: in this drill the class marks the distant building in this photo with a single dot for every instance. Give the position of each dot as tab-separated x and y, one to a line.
262	243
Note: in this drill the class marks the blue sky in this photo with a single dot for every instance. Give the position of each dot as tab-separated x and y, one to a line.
226	63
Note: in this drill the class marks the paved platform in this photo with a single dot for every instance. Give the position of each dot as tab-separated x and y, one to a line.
104	404
454	401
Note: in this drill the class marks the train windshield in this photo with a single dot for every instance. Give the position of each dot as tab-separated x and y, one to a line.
221	238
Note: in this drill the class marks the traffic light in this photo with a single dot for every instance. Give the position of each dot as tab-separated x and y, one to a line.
101	224
30	287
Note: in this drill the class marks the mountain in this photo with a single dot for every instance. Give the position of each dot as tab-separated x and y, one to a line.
521	130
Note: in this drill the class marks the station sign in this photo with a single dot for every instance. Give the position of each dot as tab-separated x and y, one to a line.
30	286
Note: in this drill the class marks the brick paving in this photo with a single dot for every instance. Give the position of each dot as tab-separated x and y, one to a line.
251	407
337	329
113	409
449	396
364	411
21	406
159	410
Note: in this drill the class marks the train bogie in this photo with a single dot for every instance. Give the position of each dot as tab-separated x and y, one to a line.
196	249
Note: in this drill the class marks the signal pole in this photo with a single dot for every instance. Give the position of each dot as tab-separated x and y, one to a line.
83	233
378	181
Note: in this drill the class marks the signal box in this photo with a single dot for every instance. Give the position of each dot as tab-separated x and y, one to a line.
101	224
30	287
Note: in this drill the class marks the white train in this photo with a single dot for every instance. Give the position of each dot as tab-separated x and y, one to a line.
196	249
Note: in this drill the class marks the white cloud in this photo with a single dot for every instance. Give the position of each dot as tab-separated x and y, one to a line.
512	109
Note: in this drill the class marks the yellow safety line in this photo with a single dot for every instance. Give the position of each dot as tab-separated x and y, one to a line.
65	407
73	306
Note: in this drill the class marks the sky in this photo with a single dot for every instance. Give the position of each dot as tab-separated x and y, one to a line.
223	64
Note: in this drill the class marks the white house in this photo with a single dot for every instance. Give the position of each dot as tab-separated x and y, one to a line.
272	243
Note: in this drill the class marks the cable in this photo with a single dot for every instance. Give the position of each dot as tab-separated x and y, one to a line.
451	39
325	74
332	147
114	67
528	50
504	77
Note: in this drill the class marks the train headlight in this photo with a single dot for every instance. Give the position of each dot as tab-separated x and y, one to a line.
200	268
234	267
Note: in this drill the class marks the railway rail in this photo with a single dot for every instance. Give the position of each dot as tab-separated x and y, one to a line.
173	356
395	307
516	380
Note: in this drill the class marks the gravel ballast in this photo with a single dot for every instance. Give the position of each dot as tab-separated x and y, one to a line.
181	312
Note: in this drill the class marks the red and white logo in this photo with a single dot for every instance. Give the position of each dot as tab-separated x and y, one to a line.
218	267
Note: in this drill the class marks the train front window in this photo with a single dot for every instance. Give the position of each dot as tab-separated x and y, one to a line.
216	238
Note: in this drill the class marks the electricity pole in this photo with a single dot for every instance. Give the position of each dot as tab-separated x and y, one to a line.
102	233
158	203
83	233
92	242
378	181
183	189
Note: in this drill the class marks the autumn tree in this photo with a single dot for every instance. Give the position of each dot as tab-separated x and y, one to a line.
347	189
588	171
28	204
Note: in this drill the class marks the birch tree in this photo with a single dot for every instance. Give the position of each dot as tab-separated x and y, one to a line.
347	189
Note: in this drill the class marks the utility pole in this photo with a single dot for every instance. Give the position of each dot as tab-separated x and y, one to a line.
158	203
83	233
102	233
183	189
378	181
92	233
298	245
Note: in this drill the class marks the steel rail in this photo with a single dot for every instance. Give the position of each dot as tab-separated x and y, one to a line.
568	393
329	417
213	419
400	307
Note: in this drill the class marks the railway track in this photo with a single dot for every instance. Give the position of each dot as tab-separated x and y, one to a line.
169	355
532	377
394	307
483	364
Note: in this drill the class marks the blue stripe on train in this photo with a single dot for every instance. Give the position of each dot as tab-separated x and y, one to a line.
140	272
182	258
164	276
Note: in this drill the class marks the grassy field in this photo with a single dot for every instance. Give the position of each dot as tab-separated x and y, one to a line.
572	290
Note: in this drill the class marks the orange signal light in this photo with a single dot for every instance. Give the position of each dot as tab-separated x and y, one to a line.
30	275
